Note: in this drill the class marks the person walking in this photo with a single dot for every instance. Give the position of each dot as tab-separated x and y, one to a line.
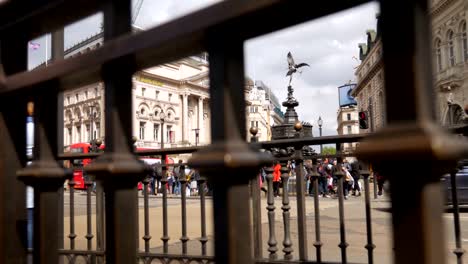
356	174
276	178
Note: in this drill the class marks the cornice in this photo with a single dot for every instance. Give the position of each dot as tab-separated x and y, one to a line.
371	74
441	6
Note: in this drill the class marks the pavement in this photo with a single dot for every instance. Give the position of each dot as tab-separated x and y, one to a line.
355	227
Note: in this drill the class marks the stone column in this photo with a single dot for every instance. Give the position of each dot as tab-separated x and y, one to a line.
185	117
200	120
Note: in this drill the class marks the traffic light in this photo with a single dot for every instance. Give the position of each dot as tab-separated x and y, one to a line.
363	120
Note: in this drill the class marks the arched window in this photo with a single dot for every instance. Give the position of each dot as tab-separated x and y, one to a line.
438	54
464	41
450	47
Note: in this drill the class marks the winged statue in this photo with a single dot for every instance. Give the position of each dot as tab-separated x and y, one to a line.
293	66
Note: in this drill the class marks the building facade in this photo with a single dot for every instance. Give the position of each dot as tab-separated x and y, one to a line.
263	109
450	66
170	103
450	61
348	123
369	90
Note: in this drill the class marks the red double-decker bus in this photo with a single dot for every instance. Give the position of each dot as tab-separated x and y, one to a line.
79	164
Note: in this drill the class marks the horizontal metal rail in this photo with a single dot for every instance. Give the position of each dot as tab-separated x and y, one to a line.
178	38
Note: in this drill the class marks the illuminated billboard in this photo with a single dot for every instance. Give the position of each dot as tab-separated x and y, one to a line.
344	95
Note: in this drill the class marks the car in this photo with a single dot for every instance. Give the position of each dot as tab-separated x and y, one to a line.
461	185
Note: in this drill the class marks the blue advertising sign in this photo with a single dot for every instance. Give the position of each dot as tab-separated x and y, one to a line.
344	95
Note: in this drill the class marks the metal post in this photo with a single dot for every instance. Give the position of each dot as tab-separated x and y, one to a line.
300	197
12	153
271	216
317	244
228	152
458	251
370	245
165	238
46	177
287	243
418	229
183	196
340	175
256	206
118	160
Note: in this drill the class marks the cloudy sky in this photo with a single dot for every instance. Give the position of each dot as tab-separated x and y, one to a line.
327	45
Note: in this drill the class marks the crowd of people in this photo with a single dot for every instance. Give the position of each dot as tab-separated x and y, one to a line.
174	177
328	178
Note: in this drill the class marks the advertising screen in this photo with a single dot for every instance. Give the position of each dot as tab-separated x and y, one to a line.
344	94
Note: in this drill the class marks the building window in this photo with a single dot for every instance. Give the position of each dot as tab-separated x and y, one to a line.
142	111
86	95
77	98
96	92
350	130
170	97
348	116
155	132
142	130
438	54
464	41
69	136
451	51
143	91
78	134
96	132
252	123
68	99
170	135
156	95
88	133
256	123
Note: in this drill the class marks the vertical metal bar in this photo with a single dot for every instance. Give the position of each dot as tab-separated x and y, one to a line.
317	244
165	238
147	236
46	176
287	243
183	183
12	153
271	215
118	169
100	219
301	208
256	207
57	47
375	186
458	251
340	175
203	238
407	54
72	234
228	152
370	245
89	235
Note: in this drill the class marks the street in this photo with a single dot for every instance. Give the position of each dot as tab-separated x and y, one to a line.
355	227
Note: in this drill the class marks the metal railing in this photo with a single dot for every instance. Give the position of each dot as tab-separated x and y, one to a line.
411	136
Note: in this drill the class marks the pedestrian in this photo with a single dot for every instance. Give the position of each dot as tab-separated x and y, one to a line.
355	172
177	174
276	178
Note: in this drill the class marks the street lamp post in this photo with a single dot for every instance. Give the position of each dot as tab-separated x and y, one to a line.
197	134
320	123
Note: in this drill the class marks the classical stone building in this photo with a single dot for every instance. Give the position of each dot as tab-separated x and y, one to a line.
263	109
450	66
179	90
450	51
348	123
369	90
